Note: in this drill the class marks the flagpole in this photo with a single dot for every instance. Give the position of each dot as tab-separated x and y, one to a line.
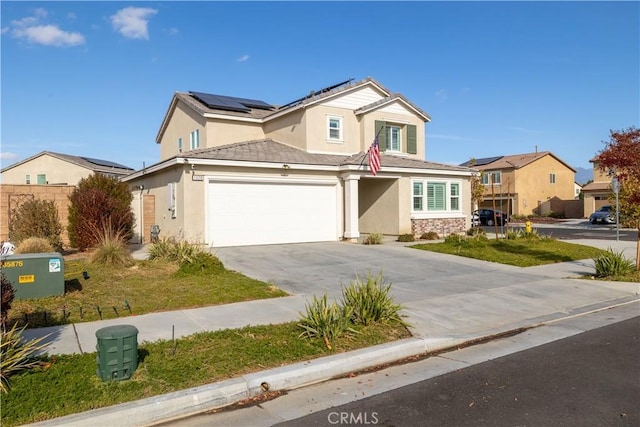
365	154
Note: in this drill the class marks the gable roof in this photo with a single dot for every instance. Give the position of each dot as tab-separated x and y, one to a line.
269	151
260	115
95	165
515	161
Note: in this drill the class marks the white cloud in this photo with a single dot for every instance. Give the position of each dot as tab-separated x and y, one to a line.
243	58
442	94
132	22
30	29
7	155
173	31
49	35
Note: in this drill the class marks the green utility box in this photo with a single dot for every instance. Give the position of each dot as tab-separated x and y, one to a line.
117	352
35	275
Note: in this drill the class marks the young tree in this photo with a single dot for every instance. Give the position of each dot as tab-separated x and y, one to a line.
621	155
36	218
99	203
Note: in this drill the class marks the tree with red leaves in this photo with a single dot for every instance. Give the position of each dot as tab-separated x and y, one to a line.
621	156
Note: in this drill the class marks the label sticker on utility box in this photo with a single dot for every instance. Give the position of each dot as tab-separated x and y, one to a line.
27	278
54	265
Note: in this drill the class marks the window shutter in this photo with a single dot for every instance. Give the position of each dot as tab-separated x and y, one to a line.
382	136
412	140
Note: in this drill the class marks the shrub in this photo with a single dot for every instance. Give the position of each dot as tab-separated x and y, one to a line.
99	200
200	263
373	239
8	294
369	301
34	245
455	239
326	321
111	249
36	218
408	237
613	263
169	249
476	231
16	355
430	235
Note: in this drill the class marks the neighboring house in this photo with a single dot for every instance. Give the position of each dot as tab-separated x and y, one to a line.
48	168
596	193
577	189
237	171
526	184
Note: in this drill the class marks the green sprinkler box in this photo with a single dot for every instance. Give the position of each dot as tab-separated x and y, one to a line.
117	352
35	275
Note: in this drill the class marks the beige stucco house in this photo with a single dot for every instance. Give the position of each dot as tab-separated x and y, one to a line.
596	193
49	168
237	171
526	184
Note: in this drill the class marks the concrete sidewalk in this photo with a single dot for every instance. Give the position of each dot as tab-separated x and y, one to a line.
448	301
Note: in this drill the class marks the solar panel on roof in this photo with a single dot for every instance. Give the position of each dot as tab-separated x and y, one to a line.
105	163
230	103
482	162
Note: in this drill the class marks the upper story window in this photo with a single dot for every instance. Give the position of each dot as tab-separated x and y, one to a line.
194	139
552	178
179	145
27	179
334	129
439	196
495	176
42	179
396	137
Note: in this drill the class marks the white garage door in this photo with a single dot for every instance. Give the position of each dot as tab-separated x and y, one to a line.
250	213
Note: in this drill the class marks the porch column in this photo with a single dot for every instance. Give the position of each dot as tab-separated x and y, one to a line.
351	231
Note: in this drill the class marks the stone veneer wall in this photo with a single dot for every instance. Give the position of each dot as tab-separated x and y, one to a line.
442	226
59	194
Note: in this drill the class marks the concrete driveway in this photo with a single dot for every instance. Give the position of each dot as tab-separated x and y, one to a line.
443	295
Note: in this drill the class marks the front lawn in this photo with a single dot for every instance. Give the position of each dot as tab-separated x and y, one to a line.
146	287
519	252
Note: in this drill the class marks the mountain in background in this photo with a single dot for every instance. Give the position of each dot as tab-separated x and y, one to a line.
583	175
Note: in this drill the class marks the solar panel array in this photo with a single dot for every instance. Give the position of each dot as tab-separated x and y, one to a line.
482	162
230	103
105	163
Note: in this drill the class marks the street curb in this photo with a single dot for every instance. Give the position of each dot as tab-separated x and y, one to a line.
217	395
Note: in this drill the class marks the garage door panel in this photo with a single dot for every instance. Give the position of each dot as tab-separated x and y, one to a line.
267	213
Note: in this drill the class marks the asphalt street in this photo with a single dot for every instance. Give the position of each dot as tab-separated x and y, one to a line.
590	379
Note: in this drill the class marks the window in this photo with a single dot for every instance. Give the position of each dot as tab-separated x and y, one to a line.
179	145
27	179
393	138
440	196
334	128
552	178
417	196
397	138
194	139
42	179
455	197
496	175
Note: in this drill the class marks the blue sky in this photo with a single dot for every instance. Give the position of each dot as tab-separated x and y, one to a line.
95	78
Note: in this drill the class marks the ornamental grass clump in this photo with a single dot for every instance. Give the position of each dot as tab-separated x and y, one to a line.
169	249
369	301
612	263
34	245
111	248
326	321
373	239
17	355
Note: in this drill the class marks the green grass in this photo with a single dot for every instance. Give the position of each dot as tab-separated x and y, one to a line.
520	252
69	384
147	286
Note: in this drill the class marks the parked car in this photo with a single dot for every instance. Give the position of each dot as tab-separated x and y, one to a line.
604	215
487	217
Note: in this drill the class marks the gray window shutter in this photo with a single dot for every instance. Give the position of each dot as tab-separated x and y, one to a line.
412	140
382	135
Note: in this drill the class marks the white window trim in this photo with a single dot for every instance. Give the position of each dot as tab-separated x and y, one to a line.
340	138
389	149
487	173
447	212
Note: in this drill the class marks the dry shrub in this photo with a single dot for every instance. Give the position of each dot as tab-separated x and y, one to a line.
34	245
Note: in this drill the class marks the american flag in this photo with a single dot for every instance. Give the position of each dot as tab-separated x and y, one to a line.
374	157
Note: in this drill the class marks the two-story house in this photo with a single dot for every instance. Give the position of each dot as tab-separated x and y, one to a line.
526	184
236	171
596	193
